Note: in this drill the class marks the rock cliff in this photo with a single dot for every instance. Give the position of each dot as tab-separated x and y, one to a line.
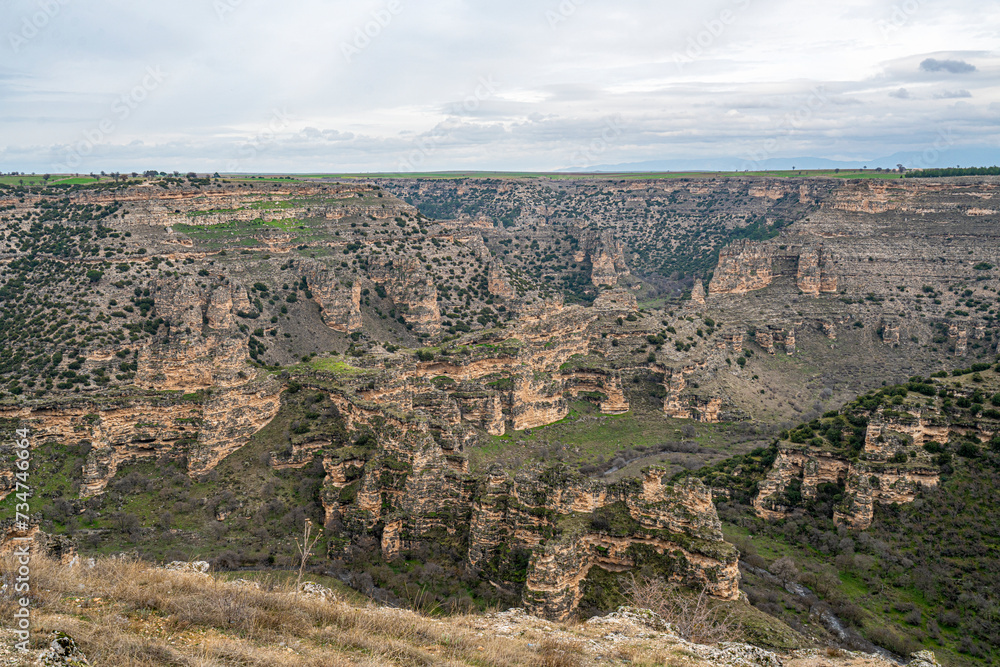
893	452
571	525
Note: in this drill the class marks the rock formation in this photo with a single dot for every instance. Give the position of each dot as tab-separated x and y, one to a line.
744	266
616	300
499	281
877	477
698	293
678	405
608	261
816	272
589	524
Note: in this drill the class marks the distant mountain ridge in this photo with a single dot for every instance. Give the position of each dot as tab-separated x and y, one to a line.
930	158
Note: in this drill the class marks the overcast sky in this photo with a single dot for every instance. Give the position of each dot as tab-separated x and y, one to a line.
338	85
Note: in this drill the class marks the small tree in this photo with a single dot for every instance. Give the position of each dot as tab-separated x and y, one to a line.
305	548
694	616
785	569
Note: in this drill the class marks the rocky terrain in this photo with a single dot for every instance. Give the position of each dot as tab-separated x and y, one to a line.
205	363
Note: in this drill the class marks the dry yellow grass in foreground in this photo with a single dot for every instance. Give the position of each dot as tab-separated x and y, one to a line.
124	612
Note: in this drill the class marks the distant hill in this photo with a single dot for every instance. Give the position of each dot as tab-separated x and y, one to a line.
931	158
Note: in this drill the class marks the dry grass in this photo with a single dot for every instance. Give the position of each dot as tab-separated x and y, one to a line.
126	612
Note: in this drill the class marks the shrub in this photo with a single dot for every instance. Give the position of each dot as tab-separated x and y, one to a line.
691	614
968	450
891	640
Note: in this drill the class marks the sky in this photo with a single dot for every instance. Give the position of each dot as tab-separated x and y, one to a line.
311	86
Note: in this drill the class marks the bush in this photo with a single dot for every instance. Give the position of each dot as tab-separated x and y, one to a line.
694	618
968	450
891	640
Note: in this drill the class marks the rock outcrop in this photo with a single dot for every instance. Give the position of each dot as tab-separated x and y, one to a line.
498	281
816	272
339	300
608	261
893	467
679	405
698	293
411	289
616	300
203	427
571	525
744	266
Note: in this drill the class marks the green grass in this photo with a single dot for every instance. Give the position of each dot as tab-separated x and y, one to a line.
587	437
239	232
63	179
334	366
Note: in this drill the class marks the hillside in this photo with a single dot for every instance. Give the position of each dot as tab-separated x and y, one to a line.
888	510
124	612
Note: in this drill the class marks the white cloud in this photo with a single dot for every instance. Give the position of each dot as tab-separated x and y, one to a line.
418	75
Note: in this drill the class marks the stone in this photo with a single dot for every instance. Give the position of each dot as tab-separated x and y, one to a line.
698	292
744	266
62	652
194	567
314	590
923	659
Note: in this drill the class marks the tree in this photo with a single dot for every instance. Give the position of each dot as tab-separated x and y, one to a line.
785	569
305	548
692	615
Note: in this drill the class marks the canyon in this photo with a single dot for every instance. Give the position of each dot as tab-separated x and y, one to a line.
181	323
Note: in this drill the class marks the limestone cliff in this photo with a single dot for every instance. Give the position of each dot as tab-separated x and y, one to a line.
339	300
412	289
681	405
816	272
608	261
892	456
205	429
571	525
499	281
744	266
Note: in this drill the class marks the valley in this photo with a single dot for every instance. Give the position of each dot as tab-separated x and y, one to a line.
515	391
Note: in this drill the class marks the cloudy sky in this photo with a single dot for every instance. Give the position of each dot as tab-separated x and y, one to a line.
388	85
